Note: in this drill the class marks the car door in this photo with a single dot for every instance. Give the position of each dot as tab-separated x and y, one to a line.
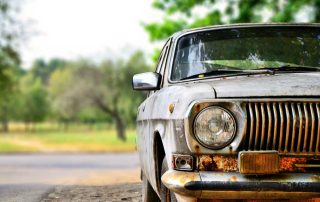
145	120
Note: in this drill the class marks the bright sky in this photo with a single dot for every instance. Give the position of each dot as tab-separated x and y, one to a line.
86	28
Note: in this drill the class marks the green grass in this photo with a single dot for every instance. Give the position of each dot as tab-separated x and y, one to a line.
76	139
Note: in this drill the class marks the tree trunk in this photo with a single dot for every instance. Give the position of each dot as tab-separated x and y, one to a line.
26	126
4	120
5	123
120	127
65	125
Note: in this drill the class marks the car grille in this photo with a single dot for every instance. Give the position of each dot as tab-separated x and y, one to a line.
288	127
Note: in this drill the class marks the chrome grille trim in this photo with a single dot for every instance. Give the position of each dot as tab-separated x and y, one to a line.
318	137
269	125
275	113
300	127
251	125
257	126
287	128
290	127
294	126
312	126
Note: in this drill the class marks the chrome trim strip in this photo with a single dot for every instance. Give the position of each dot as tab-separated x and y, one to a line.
300	127
281	126
294	127
287	128
251	126
306	130
269	125
275	131
313	123
257	127
318	138
263	120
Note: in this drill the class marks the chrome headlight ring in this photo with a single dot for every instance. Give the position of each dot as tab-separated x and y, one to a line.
214	127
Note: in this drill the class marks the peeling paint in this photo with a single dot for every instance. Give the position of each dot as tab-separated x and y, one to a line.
218	163
230	163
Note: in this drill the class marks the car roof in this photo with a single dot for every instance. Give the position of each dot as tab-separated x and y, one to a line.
242	25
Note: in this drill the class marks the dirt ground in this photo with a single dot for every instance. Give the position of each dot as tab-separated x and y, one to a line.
114	193
108	186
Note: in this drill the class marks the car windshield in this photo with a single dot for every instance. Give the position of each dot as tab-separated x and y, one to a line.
242	49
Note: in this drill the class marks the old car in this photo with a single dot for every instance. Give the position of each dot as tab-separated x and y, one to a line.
232	112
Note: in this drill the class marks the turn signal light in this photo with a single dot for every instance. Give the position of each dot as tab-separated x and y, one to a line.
259	163
182	162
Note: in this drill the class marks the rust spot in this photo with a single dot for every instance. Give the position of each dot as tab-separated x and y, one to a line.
230	163
171	107
218	163
233	179
287	164
197	108
315	178
197	148
206	163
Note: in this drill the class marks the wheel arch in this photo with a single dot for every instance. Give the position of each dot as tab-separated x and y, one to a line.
159	154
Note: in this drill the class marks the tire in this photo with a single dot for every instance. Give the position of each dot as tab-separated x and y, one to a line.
165	194
148	194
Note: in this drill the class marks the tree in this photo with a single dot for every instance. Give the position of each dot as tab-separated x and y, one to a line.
183	14
41	69
106	87
118	99
9	58
33	100
64	99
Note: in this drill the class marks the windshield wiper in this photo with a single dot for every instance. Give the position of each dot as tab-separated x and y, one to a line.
229	72
264	70
291	68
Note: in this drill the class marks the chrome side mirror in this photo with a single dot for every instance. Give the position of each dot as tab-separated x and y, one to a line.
146	81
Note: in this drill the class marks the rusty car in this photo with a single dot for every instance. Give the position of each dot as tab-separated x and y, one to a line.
232	112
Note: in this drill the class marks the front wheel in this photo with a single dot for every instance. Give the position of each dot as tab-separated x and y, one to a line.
165	194
148	194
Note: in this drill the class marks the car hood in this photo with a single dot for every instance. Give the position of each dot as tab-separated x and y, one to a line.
282	84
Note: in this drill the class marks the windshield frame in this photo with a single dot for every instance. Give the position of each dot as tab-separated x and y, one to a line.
182	34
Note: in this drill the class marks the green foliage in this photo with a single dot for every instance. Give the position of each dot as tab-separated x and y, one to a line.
42	69
62	95
9	58
181	14
33	100
162	30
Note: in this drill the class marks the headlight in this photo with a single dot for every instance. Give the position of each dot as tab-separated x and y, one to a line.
214	127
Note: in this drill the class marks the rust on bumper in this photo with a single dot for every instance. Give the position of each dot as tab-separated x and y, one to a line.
217	163
230	163
220	185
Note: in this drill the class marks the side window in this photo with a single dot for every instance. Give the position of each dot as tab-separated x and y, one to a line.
161	61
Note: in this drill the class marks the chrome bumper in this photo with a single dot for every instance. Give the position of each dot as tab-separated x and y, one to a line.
221	185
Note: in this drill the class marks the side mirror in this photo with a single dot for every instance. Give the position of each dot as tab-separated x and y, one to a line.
146	81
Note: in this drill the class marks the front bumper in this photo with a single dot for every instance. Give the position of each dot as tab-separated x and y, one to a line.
222	185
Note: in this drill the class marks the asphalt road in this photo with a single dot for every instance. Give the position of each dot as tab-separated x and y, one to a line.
28	177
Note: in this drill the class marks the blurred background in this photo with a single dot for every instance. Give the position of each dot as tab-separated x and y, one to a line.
66	65
66	69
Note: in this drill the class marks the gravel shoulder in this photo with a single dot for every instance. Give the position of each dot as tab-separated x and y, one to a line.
113	186
112	193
